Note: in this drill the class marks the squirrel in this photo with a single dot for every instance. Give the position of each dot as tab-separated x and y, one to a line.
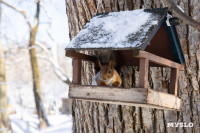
107	76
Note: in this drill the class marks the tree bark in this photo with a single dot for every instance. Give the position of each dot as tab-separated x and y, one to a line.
91	117
4	114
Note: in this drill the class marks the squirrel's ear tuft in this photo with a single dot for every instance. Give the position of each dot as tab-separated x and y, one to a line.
110	64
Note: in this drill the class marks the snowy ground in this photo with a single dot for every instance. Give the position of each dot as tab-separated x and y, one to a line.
25	119
21	98
26	122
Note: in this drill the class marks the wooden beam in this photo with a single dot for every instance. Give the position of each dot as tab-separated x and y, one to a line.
163	99
76	64
77	55
114	94
131	104
143	73
173	81
158	60
142	97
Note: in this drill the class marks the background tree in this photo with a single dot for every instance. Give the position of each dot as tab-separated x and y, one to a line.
4	119
33	28
98	118
35	70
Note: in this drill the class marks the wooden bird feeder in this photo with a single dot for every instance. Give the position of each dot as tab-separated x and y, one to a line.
153	42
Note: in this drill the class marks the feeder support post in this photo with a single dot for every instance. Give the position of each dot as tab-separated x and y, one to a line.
76	63
143	72
174	81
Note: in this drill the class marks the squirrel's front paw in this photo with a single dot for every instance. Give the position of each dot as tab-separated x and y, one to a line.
102	83
116	84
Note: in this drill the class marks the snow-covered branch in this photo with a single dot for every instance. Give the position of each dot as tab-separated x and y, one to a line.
181	15
59	73
53	57
23	13
54	50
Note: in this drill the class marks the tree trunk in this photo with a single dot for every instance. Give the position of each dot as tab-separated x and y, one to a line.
35	73
91	117
4	114
36	86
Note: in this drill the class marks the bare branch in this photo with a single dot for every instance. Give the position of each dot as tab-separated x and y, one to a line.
37	15
59	73
49	25
54	61
23	13
177	11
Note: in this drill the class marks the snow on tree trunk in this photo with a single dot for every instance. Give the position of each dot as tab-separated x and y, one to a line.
91	117
4	114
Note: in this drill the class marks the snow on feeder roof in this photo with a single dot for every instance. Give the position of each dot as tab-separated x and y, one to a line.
119	30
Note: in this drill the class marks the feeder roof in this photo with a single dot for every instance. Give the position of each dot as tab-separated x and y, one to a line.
119	30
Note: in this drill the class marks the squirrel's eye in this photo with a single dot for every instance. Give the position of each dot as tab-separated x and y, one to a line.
109	71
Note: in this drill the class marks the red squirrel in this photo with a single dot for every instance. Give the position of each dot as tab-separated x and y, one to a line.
107	76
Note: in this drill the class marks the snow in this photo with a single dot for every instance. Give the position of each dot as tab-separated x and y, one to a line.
4	129
180	8
27	122
21	97
115	30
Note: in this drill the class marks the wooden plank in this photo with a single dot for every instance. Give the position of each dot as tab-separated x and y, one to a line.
76	63
128	95
158	60
130	104
143	73
163	99
77	55
173	81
